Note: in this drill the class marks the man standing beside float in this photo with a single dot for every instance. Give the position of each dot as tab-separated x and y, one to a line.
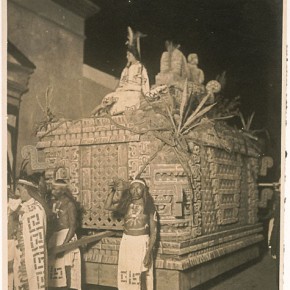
135	265
64	269
30	262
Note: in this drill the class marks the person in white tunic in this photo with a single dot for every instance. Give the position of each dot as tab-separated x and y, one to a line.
30	260
13	205
133	85
64	269
135	265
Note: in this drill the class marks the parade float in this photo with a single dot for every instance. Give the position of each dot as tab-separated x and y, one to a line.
201	172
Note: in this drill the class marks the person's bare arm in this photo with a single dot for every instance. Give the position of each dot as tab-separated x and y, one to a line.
152	239
109	205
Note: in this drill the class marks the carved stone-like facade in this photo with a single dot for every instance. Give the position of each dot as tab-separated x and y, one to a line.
213	216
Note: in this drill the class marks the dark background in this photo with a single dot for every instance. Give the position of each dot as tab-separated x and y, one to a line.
241	37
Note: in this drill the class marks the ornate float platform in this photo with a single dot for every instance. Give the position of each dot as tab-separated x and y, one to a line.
207	199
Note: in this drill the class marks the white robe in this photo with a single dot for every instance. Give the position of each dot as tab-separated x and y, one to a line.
30	262
133	83
56	265
130	265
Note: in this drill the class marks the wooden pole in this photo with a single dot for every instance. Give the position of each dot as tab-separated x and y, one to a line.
273	184
82	241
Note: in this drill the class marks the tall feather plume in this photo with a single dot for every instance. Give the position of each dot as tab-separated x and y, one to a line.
130	37
133	39
23	172
139	35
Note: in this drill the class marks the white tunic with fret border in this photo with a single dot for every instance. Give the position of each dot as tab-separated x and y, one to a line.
30	263
56	265
130	266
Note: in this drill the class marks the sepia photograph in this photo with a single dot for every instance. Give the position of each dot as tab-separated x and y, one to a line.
144	144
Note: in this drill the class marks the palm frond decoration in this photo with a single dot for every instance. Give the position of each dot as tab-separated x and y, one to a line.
222	79
226	107
187	119
250	120
184	101
198	113
179	122
246	126
49	116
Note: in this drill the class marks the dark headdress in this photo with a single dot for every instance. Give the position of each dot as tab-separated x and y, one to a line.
24	178
126	199
23	169
65	186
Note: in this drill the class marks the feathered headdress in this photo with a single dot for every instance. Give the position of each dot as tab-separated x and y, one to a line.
23	170
133	41
25	178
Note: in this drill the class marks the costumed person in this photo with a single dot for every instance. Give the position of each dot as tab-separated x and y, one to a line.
135	265
195	74
134	83
64	269
39	177
173	65
45	194
30	262
275	233
13	205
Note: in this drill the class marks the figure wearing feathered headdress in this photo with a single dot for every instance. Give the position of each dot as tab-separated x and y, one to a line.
134	82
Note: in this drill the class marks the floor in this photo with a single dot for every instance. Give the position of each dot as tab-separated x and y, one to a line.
257	275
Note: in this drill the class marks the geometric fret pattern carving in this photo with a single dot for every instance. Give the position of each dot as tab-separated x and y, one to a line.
195	167
225	172
253	193
138	155
265	195
68	159
30	151
99	164
222	200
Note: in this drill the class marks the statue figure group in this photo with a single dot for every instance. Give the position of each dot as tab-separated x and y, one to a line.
175	68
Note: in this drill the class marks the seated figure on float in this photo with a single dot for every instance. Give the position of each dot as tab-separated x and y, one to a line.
133	84
173	65
195	75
